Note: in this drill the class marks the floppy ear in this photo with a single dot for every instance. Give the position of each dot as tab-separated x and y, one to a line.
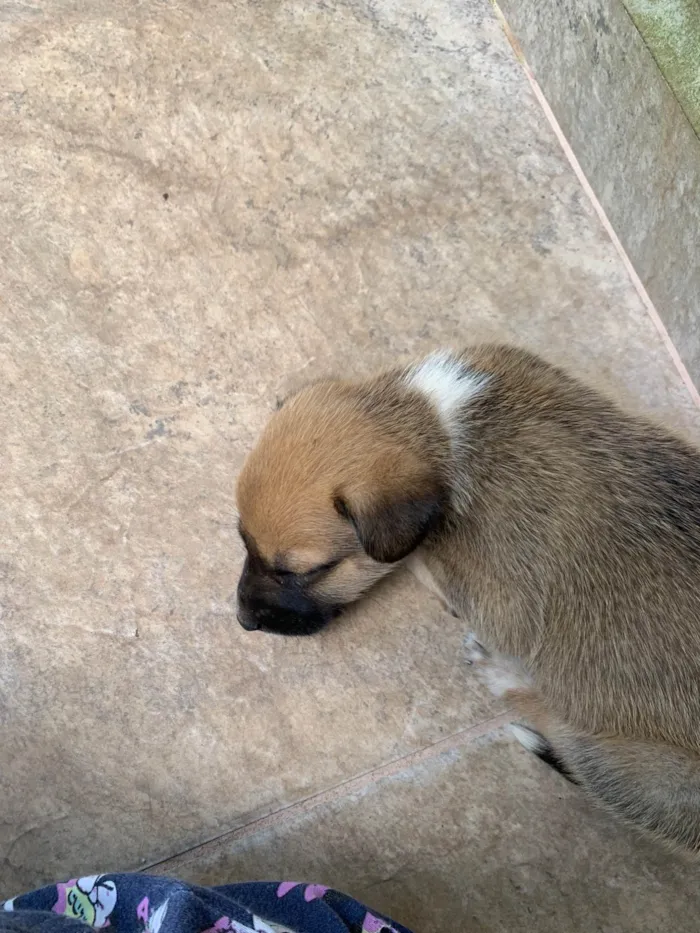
389	528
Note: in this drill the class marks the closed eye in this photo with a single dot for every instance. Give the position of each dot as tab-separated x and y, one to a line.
308	576
321	568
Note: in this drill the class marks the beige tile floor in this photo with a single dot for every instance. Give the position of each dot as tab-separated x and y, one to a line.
201	204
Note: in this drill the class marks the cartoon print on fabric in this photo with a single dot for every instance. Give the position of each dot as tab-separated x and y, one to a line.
227	925
88	899
312	892
151	919
372	924
261	927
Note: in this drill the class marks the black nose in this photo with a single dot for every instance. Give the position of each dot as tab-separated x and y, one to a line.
248	623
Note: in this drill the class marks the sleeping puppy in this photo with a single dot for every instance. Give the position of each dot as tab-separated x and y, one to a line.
566	532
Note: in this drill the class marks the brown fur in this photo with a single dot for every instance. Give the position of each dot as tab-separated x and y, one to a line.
578	553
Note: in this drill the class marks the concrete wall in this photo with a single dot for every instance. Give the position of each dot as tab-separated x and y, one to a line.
633	140
671	31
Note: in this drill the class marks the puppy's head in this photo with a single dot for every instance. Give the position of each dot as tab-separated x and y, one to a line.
345	481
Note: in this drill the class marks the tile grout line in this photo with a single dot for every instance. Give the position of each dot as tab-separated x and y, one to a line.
175	863
598	208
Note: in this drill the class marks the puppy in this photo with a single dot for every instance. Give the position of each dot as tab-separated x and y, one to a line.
565	531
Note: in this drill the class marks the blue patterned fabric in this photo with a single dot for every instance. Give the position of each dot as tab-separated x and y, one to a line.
135	903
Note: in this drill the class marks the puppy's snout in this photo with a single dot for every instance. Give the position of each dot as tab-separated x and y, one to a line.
268	606
249	623
245	612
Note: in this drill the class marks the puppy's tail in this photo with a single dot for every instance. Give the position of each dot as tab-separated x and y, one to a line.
536	743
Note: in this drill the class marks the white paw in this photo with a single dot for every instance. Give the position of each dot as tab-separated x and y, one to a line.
528	738
475	651
497	672
499	679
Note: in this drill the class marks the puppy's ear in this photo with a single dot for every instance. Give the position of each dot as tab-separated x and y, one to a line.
389	526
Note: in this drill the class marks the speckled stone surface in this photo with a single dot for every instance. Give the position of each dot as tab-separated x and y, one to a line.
633	140
202	204
483	840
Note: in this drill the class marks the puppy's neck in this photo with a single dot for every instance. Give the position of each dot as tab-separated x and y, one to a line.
448	382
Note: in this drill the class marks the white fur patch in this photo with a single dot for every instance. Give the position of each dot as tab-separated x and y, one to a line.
447	382
528	738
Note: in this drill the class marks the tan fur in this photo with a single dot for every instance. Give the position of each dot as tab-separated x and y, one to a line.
577	553
320	444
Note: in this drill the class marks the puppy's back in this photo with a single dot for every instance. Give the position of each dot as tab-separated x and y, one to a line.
581	547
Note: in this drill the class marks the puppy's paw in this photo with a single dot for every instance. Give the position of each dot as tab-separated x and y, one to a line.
497	672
